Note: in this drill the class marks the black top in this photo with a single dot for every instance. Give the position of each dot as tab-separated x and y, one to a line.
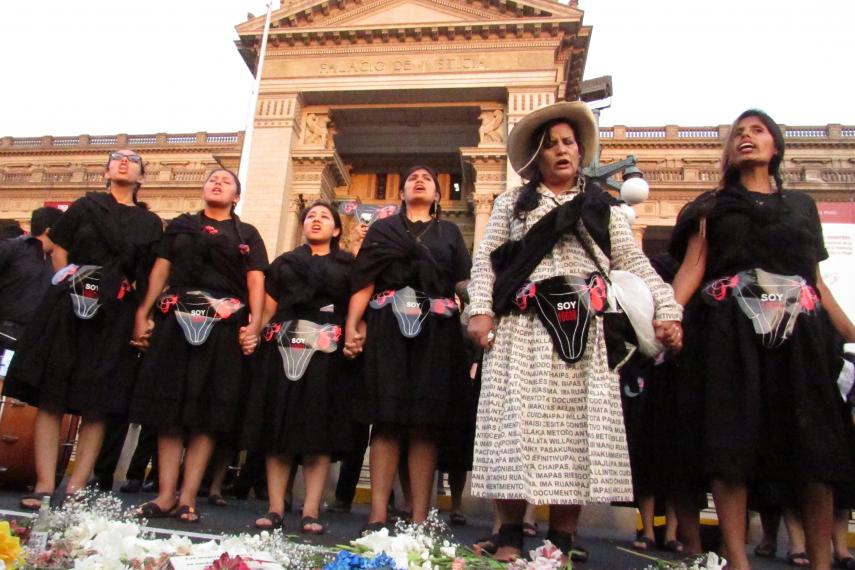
780	232
302	283
429	256
24	277
208	254
98	230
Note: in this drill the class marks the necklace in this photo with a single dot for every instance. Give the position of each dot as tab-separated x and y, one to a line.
418	236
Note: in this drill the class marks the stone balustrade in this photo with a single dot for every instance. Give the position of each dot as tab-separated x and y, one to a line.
121	140
684	134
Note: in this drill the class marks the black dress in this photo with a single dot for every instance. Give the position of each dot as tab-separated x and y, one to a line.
65	363
422	380
310	415
746	411
200	387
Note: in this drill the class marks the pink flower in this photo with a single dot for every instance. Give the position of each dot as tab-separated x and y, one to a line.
244	249
210	230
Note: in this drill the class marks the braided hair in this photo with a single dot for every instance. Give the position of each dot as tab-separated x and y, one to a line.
244	247
529	197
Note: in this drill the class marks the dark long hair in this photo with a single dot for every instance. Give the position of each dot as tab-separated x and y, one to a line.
435	209
529	197
235	218
138	185
335	216
729	173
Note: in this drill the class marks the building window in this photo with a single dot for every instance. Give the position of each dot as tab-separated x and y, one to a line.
456	187
380	187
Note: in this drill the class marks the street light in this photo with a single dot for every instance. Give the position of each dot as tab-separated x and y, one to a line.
634	188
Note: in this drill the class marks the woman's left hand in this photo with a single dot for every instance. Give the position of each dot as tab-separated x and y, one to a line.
248	338
669	333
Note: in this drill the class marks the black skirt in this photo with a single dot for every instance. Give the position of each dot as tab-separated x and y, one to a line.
78	366
421	381
199	388
758	414
309	416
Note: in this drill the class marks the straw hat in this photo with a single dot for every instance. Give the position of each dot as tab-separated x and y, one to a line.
577	113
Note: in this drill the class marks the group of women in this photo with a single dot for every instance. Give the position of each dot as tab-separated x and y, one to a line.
377	339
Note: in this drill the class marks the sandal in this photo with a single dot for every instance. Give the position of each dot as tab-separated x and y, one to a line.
457	519
847	563
510	536
642	542
186	513
307	522
798	559
217	501
488	544
371	528
33	497
152	510
674	546
529	529
564	541
765	550
275	520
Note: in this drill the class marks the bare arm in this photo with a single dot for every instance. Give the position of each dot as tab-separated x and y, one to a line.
270	306
59	257
143	325
692	270
835	312
354	338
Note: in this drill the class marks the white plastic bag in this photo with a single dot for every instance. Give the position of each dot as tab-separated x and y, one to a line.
636	300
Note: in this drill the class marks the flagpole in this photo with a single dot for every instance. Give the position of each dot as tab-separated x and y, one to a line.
250	121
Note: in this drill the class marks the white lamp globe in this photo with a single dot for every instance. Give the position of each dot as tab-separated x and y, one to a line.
629	212
634	190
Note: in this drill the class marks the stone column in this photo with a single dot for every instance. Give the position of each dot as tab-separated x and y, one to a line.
316	174
638	233
266	201
489	166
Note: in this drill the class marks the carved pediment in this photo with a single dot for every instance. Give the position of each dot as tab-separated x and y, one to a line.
319	14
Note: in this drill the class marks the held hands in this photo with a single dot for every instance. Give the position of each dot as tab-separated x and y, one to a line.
248	337
143	326
481	330
669	333
354	340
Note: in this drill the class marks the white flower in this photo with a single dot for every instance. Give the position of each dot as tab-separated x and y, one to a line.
448	550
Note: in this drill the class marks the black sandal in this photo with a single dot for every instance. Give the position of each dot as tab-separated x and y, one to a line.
33	497
217	500
564	542
188	514
488	544
847	563
152	510
306	522
457	519
510	536
371	527
275	520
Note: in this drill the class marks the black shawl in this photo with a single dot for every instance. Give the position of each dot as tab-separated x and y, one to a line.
515	260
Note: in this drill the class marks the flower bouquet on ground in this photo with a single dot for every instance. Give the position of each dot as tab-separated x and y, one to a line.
426	546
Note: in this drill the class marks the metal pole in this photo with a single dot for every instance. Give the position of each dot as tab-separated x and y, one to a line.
250	120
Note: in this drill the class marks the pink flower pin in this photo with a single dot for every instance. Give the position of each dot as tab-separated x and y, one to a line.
210	230
244	249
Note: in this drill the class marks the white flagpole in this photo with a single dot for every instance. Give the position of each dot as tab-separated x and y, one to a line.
250	121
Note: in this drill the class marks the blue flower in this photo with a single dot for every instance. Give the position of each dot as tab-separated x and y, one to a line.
350	561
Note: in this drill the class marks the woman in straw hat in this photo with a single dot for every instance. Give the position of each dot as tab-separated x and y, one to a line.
550	428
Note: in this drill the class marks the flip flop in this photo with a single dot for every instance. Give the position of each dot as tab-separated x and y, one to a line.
674	546
643	543
152	510
275	520
457	519
765	550
32	497
217	501
847	563
529	529
798	559
186	513
307	522
488	544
